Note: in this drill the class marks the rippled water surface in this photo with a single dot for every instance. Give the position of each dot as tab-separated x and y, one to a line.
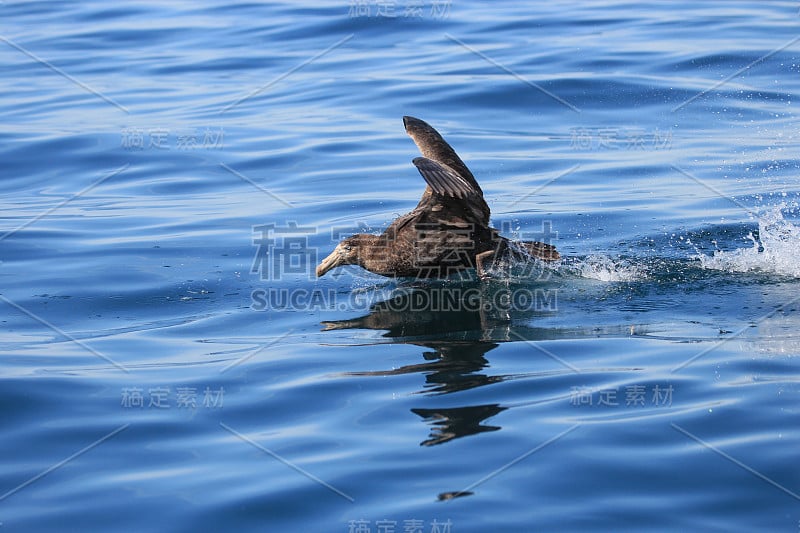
172	172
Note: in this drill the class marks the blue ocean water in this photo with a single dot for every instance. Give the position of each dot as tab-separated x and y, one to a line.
172	172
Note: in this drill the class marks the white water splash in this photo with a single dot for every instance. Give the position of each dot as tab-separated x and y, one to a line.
603	268
775	251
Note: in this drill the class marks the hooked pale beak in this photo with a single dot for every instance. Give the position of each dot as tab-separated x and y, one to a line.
332	261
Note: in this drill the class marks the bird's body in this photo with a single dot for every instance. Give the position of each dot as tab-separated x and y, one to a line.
446	233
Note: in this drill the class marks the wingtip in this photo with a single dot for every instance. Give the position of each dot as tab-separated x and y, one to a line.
410	122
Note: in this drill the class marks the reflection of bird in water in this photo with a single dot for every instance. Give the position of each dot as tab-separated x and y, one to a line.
454	422
450	366
446	233
456	339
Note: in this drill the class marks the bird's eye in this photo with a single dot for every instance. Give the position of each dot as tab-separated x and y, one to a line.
347	248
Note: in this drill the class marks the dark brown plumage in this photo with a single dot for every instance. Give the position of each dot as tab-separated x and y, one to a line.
446	233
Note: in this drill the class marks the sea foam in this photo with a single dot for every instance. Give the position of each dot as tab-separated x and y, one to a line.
775	249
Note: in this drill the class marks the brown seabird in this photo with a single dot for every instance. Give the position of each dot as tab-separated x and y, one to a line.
446	233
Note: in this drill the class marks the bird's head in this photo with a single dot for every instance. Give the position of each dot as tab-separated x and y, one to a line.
345	253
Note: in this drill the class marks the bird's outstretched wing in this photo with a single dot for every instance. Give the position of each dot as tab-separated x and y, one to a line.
452	190
433	146
444	181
